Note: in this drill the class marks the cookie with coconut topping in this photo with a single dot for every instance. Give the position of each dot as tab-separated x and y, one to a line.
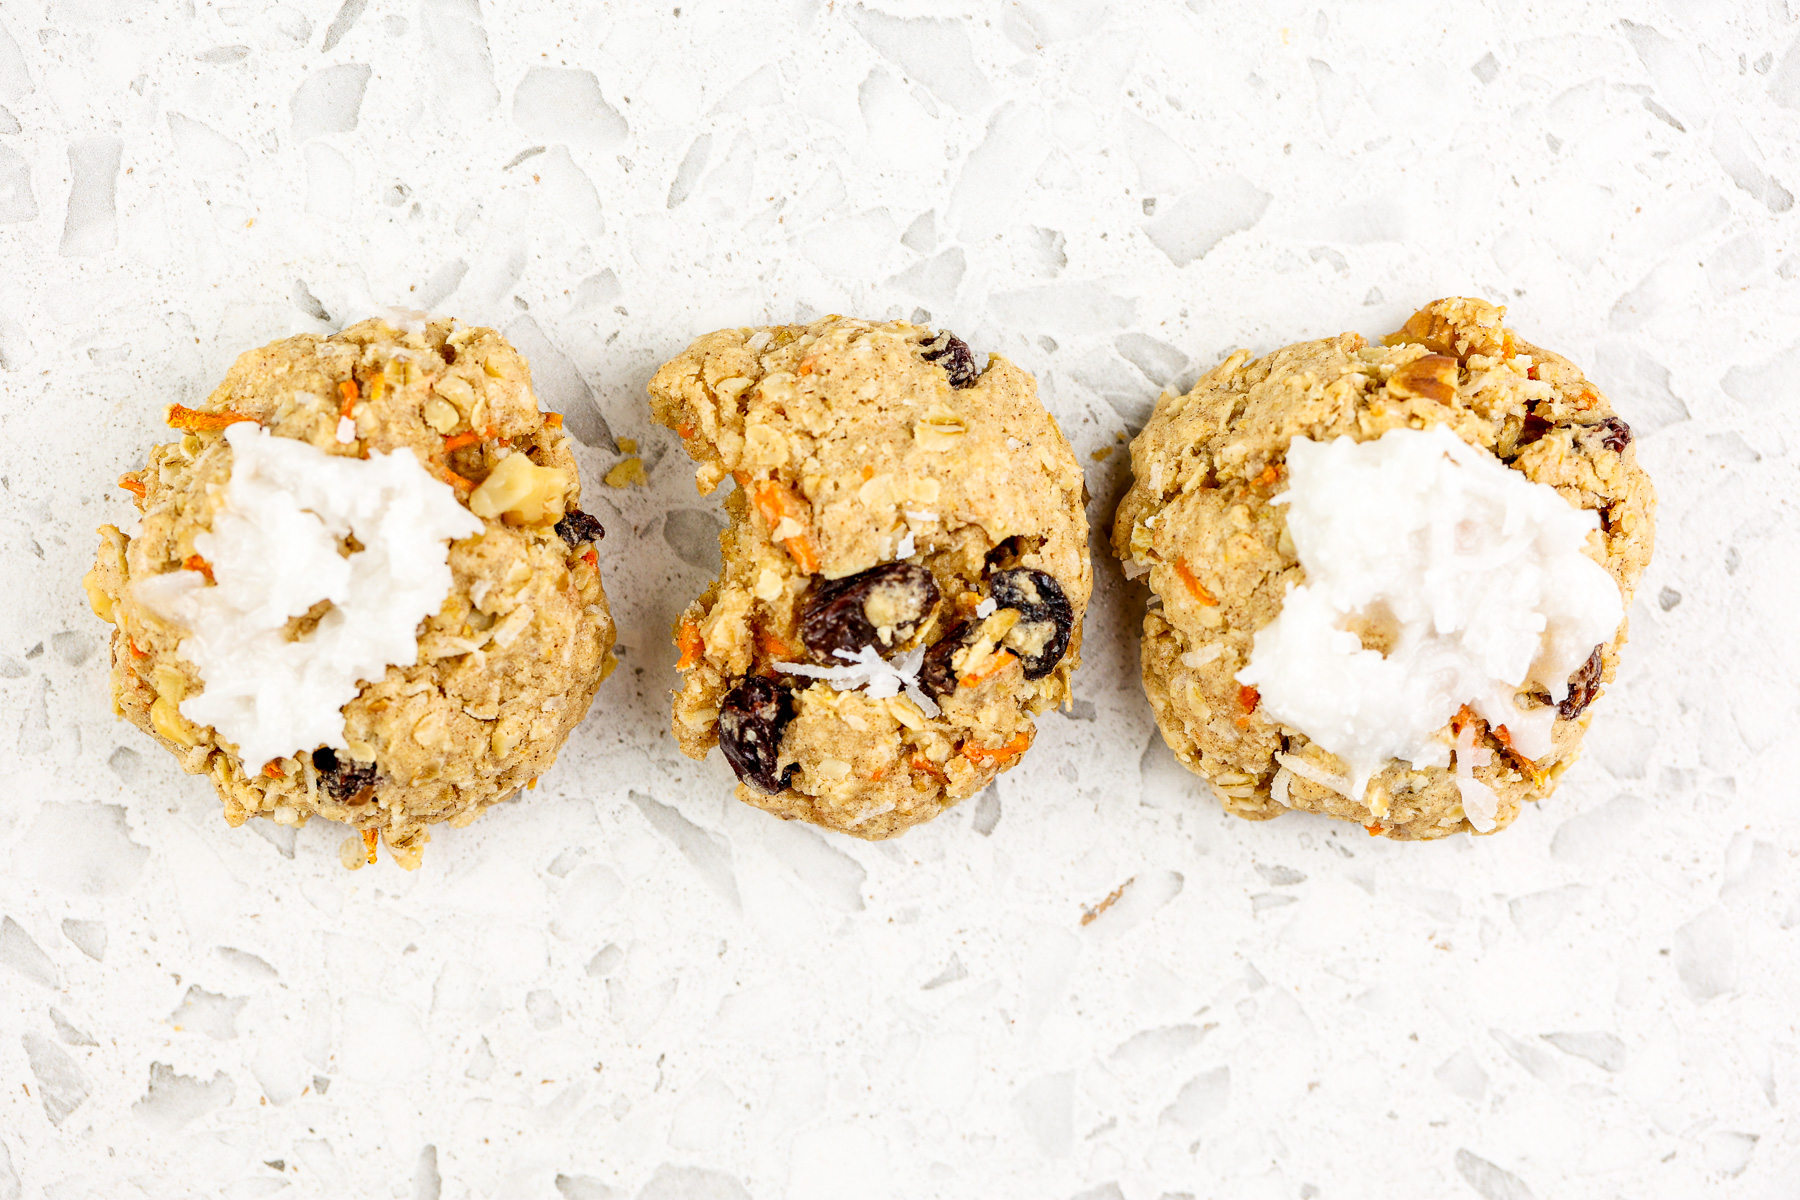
360	586
905	568
1388	581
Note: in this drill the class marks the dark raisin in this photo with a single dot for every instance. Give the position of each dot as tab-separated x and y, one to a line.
1584	685
1534	428
1046	621
937	678
882	607
1615	434
577	527
449	353
344	779
952	353
1007	552
752	718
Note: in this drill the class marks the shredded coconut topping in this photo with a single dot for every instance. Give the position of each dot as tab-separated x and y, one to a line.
1193	660
907	548
1436	576
274	550
1306	770
1480	804
346	431
868	670
986	608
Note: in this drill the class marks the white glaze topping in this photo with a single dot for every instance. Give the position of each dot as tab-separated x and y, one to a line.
275	551
1473	577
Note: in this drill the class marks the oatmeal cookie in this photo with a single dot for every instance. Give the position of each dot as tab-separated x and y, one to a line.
905	568
488	675
1200	523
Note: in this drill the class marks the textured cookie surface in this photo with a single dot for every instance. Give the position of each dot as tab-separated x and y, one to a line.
891	497
504	670
1198	523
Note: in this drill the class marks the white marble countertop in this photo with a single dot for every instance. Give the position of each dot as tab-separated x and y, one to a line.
627	985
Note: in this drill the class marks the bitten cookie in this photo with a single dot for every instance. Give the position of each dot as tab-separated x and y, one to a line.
1330	567
905	569
360	586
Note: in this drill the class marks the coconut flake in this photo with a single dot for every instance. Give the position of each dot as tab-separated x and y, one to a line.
879	678
274	553
1323	778
346	431
1479	802
986	608
1193	660
1474	575
879	810
907	548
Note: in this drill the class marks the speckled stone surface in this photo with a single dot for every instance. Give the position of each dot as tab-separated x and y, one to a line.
626	985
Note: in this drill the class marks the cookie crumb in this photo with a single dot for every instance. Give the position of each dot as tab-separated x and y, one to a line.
628	472
1090	915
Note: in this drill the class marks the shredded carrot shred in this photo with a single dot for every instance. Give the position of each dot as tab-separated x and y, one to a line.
684	431
1247	697
553	420
1464	716
919	762
806	366
192	420
1528	768
531	784
1020	743
457	481
135	652
692	646
1506	345
878	774
369	836
456	441
800	549
134	485
774	502
1270	474
347	390
590	558
1373	830
868	472
194	562
1193	584
988	670
772	646
273	770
